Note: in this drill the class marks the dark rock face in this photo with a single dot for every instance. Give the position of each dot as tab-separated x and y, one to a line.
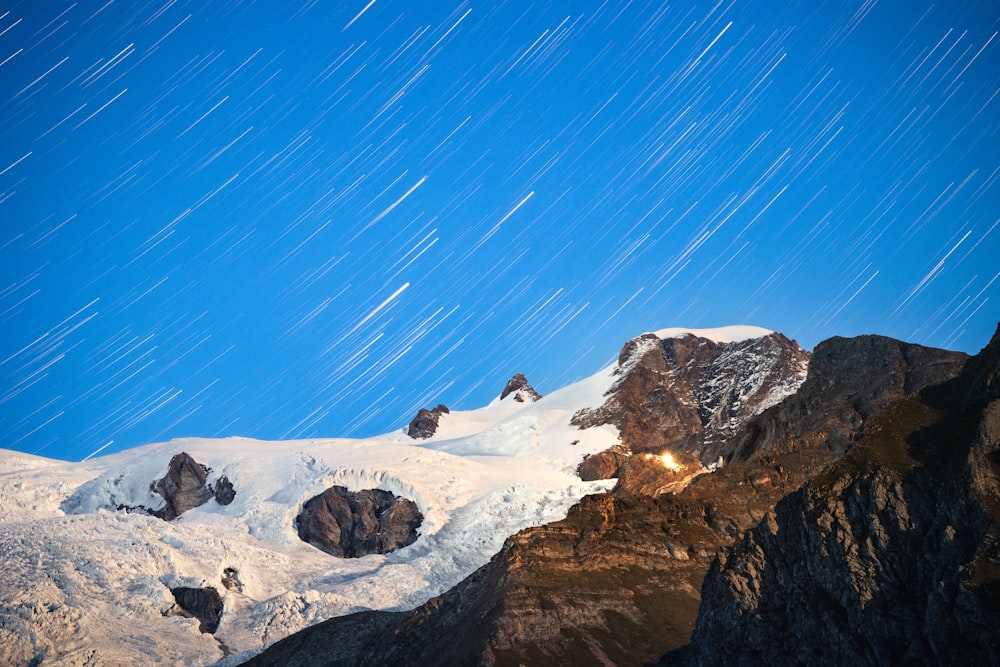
231	580
849	380
224	491
183	487
688	394
425	424
205	604
521	390
890	557
351	524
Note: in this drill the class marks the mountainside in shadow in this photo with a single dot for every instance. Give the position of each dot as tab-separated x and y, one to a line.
892	556
618	580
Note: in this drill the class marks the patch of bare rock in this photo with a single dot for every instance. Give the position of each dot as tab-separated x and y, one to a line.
351	524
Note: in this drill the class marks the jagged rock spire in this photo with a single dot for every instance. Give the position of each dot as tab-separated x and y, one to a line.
425	424
522	391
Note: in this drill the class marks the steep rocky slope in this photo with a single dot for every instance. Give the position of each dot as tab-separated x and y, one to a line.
618	580
689	393
890	557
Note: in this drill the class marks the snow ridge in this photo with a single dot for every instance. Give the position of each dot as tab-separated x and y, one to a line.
81	577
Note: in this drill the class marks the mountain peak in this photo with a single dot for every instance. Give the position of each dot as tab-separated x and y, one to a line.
520	389
688	390
425	424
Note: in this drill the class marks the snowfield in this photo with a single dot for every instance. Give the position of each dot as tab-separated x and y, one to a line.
80	579
83	582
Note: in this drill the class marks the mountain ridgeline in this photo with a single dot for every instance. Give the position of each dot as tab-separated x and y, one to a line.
853	520
715	496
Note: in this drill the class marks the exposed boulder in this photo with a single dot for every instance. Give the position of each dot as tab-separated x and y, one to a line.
890	557
231	579
425	424
689	394
351	524
183	487
205	604
520	390
602	465
224	491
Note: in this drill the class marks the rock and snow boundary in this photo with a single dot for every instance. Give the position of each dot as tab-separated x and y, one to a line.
82	580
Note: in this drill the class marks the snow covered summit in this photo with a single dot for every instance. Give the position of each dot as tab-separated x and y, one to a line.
89	571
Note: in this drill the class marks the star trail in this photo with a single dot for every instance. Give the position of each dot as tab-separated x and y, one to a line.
291	220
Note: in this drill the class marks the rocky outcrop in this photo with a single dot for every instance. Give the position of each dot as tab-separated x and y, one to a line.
351	524
205	604
185	487
655	474
425	424
519	389
890	557
688	394
849	380
231	580
602	465
223	491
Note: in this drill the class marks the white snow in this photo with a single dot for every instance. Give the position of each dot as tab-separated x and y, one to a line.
730	334
78	575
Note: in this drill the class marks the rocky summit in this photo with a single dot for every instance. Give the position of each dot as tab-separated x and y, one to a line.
689	393
519	389
425	423
622	579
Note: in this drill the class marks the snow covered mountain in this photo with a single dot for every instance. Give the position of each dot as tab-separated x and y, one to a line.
90	575
623	579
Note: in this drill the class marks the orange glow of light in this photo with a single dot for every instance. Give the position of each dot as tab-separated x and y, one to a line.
667	460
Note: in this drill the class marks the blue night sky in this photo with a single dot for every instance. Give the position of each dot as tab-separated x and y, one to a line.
286	220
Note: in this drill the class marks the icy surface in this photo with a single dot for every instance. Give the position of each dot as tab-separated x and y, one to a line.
730	334
81	578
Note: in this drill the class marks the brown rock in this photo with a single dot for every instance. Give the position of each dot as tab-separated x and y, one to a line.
688	394
205	604
224	491
425	424
602	465
351	524
655	474
521	390
183	487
